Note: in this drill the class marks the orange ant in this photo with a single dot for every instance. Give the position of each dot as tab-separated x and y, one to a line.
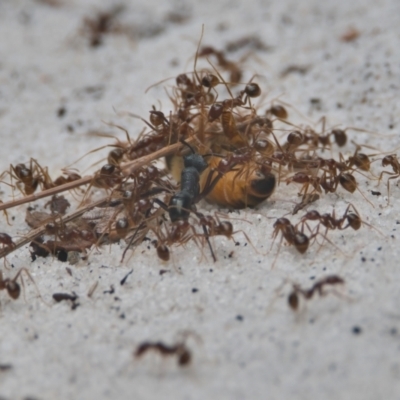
293	299
393	161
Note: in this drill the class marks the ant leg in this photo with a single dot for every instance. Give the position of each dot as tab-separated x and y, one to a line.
207	236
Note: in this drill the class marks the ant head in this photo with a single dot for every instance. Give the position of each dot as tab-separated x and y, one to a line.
354	221
293	300
163	252
13	290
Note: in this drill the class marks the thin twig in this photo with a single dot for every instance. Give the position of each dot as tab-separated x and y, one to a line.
41	230
127	169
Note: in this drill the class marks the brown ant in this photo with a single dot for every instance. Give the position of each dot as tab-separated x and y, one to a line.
179	350
101	24
180	231
27	178
393	161
329	221
234	70
293	298
291	234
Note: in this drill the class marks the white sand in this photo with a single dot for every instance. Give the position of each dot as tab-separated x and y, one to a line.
268	353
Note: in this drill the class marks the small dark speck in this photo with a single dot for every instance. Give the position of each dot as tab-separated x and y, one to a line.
391	126
312	277
5	367
380	214
211	270
379	248
375	193
392	236
13	218
372	259
339	105
311	321
393	331
194	290
398	222
239	317
324	269
356	330
363	259
237	244
61	112
245	244
122	316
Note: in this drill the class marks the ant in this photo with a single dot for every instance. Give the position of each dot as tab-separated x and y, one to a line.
183	354
183	202
329	221
179	349
27	178
178	233
293	298
234	70
101	24
393	161
291	234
